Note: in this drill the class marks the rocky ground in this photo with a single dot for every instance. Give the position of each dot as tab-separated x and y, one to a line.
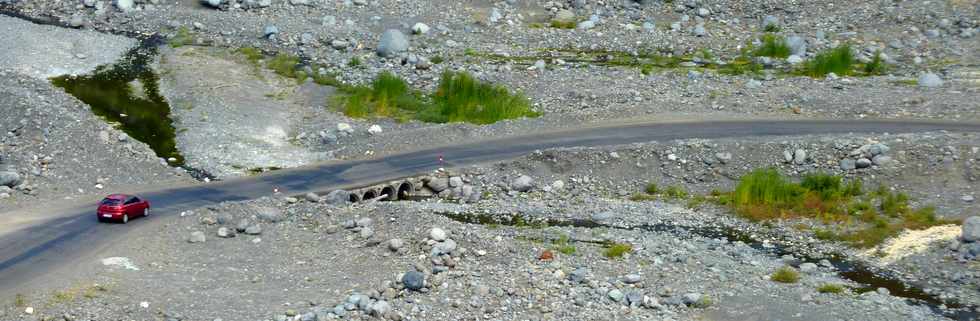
53	149
284	257
280	258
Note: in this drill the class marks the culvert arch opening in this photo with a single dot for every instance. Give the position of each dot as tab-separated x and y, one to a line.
405	190
369	194
390	191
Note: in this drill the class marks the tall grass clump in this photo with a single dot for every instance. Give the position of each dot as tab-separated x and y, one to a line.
387	96
785	275
837	60
766	190
459	98
877	65
462	98
772	46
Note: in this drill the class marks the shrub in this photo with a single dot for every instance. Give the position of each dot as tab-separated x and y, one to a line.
773	46
831	288
617	250
828	187
772	28
785	275
652	188
894	204
877	65
640	197
837	60
437	60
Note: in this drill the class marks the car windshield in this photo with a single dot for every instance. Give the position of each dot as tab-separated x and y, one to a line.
110	201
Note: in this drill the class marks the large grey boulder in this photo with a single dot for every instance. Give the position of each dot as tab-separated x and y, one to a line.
413	280
9	179
437	184
522	184
392	42
971	229
337	197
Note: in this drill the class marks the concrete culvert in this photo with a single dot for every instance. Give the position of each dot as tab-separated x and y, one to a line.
390	191
405	190
369	194
354	197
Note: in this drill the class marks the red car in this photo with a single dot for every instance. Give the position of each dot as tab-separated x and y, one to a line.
120	207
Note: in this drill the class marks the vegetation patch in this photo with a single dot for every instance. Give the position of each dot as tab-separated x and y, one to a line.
652	192
785	275
617	250
183	37
855	218
839	60
459	98
563	245
773	46
563	24
831	288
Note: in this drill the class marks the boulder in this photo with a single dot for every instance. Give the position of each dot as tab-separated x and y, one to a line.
971	229
9	179
337	197
523	183
392	42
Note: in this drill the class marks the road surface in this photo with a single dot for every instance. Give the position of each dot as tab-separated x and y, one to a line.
34	251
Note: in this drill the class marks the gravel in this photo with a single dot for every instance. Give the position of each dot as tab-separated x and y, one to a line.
60	50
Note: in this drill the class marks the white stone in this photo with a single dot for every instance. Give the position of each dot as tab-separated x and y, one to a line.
374	130
437	234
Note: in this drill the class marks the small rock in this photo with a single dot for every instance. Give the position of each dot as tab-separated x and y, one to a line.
270	32
455	181
863	163
420	28
213	3
930	80
616	295
808	267
253	229
586	25
437	234
337	197
700	31
366	233
312	197
797	46
374	130
395	244
444	247
971	229
799	157
724	158
967	198
413	280
691	298
225	232
632	278
196	237
847	164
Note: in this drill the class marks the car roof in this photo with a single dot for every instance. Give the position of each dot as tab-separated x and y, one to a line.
118	196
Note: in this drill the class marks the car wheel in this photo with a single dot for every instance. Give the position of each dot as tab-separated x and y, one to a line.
125	219
146	211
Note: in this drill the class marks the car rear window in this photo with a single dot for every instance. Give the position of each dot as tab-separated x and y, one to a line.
110	201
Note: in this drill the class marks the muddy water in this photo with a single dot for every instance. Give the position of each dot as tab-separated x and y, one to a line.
126	94
868	278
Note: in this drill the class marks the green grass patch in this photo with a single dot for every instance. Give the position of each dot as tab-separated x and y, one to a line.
772	28
877	65
772	46
437	60
355	62
459	98
785	275
675	192
703	302
617	250
652	189
285	65
560	24
251	54
831	288
766	195
563	244
839	60
183	37
20	300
